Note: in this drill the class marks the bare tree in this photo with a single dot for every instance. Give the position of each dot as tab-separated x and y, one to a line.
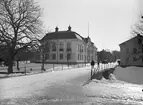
20	25
137	30
44	49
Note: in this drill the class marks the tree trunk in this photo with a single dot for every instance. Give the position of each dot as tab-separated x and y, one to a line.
17	64
43	62
10	65
10	61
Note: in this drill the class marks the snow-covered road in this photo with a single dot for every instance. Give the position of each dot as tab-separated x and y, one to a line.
66	88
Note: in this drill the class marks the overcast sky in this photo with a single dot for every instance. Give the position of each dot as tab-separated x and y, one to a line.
109	20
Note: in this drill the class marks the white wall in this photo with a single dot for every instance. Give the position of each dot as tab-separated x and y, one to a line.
57	52
75	43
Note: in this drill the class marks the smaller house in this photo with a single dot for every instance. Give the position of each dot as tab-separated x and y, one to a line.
132	51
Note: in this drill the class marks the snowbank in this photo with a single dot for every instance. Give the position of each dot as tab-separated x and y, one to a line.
129	74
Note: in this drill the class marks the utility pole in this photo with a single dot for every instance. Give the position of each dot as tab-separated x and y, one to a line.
88	29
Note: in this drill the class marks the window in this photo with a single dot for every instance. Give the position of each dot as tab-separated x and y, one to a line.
47	46
53	46
81	48
68	46
92	51
53	56
134	50
127	59
68	56
61	46
78	48
46	56
134	59
61	56
139	41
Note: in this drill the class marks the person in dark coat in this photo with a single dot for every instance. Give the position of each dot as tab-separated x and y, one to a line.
92	64
92	67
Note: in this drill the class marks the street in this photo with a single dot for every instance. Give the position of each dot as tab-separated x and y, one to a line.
67	88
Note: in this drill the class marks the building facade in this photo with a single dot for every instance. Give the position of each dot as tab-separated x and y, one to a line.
132	52
68	47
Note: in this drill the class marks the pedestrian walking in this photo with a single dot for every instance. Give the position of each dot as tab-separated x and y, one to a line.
92	64
92	67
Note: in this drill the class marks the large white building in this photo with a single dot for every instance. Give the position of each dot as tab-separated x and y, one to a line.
68	47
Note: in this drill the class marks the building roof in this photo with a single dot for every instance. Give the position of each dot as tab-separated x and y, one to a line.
68	34
137	36
62	35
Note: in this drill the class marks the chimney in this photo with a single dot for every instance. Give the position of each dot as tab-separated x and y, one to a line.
69	28
56	29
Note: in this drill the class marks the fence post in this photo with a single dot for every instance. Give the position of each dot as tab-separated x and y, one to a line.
62	66
68	65
91	72
41	68
25	69
53	66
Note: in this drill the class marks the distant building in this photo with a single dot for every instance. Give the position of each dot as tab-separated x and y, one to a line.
132	51
68	47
